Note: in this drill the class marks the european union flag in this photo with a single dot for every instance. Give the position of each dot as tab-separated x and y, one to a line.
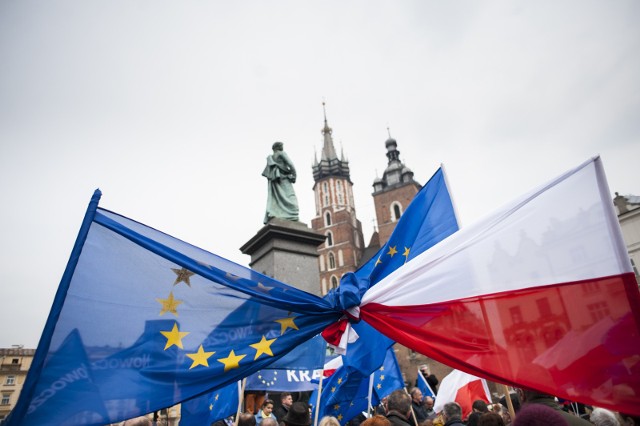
345	394
209	408
155	321
424	387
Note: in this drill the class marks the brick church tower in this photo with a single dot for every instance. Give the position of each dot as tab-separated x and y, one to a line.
393	192
335	214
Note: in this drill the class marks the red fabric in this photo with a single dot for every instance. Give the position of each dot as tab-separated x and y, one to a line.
579	341
334	332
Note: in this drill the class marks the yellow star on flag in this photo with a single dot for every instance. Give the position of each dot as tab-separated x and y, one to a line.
183	276
406	252
287	323
392	251
217	396
340	381
336	407
333	389
382	377
232	361
233	277
200	357
174	337
263	347
170	304
210	407
382	368
264	288
378	262
379	386
339	417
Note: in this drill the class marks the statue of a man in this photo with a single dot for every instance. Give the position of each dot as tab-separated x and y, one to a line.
281	174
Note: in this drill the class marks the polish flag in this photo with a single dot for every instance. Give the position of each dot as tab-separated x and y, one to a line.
540	294
462	388
331	366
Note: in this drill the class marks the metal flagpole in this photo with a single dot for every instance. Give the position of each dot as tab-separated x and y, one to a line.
241	387
371	378
315	417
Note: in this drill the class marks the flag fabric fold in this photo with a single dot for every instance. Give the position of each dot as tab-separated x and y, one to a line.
160	321
511	297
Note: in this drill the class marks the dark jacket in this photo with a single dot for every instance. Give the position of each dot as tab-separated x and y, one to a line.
397	419
454	422
551	402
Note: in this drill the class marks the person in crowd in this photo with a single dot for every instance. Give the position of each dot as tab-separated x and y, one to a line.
329	421
489	419
266	410
428	407
539	415
298	415
603	417
452	414
628	420
376	420
285	403
478	408
381	409
417	405
399	408
530	397
138	421
269	421
432	380
247	419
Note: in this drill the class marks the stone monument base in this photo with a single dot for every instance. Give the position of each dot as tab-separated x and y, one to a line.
287	251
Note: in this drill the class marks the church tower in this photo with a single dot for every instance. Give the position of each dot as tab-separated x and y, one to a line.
335	214
393	192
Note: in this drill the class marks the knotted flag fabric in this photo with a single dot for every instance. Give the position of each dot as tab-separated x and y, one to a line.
540	294
462	388
142	321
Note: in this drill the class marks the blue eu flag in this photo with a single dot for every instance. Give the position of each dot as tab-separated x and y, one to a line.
143	321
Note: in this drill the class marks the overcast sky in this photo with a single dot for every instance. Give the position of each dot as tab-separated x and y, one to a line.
170	108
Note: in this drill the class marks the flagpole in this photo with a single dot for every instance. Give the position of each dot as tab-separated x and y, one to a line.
371	378
507	396
315	416
240	399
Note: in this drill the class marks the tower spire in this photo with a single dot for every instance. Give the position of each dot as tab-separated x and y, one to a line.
328	150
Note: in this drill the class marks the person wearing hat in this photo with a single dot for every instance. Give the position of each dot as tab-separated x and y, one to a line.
298	415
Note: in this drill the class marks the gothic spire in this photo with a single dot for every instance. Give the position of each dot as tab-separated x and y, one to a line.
328	150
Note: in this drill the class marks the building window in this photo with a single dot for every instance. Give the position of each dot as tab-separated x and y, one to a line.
327	219
11	380
332	261
325	194
321	263
543	307
329	239
334	281
5	399
396	211
516	315
598	311
339	192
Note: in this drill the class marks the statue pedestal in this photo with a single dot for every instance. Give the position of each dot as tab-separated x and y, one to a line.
287	251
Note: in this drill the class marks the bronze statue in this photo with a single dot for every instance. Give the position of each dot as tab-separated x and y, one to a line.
281	174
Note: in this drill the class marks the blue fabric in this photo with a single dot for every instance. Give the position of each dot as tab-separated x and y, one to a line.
211	407
156	321
424	386
345	393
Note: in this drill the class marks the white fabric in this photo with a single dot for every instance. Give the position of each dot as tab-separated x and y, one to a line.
564	231
451	384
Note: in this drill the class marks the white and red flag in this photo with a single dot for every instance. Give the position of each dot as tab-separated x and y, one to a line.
462	388
541	294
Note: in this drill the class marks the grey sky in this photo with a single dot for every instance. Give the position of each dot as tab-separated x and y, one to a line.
170	108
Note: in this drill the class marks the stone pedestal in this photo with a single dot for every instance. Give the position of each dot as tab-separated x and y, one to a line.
287	251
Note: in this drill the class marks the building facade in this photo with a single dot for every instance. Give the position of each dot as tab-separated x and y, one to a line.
628	209
14	364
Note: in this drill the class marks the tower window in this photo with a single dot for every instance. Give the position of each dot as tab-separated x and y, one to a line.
334	281
329	239
332	261
396	211
327	219
325	194
339	192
